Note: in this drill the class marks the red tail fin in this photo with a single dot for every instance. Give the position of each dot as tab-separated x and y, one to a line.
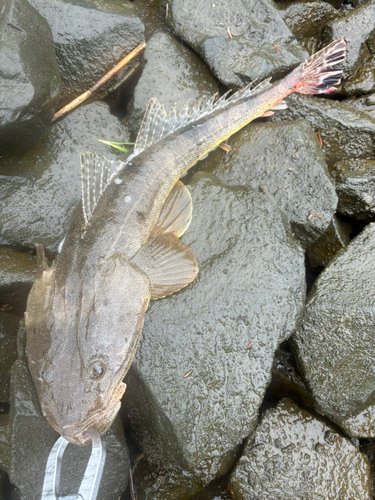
317	75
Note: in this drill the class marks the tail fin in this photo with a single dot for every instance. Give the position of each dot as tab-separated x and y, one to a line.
317	75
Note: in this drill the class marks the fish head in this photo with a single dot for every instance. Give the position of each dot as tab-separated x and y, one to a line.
81	340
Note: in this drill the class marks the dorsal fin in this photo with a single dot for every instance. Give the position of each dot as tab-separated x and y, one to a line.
96	173
157	123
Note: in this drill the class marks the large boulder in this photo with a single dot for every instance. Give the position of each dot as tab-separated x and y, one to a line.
29	77
173	74
335	342
345	132
8	351
206	354
358	29
355	186
17	270
291	454
90	38
285	162
40	187
240	40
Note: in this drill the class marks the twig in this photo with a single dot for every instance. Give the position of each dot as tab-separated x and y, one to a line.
117	86
99	84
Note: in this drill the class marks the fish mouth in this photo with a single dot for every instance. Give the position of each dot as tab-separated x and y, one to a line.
100	420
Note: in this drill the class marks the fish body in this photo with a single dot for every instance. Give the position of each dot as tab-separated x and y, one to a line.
85	314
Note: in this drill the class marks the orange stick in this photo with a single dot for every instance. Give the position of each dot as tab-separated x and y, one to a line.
99	84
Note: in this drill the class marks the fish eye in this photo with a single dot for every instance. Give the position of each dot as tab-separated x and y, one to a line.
96	370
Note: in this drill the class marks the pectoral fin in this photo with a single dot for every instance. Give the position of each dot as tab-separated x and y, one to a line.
175	216
169	264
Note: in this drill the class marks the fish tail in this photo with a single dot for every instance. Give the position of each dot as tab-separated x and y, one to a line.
317	74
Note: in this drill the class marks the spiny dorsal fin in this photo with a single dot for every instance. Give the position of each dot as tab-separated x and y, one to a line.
157	123
168	263
175	215
96	174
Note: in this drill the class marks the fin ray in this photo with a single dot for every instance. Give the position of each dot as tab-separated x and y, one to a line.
96	173
175	216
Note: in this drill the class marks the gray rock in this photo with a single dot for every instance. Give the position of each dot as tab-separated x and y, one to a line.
237	39
364	103
293	455
358	29
4	441
307	18
90	38
40	187
173	74
31	440
17	270
355	186
8	351
335	342
361	425
29	79
345	132
205	358
335	238
283	160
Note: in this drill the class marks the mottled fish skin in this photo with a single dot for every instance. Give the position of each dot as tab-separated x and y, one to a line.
85	314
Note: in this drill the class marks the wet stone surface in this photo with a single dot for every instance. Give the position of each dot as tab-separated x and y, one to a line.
237	39
173	74
335	341
336	237
29	79
283	161
358	29
306	20
345	132
17	270
40	187
194	388
90	38
8	351
293	455
355	186
31	440
364	103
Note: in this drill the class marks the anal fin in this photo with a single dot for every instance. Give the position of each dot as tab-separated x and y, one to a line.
169	264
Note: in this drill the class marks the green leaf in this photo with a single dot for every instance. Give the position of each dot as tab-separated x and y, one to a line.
116	145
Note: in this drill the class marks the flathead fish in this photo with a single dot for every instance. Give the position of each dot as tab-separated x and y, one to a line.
85	314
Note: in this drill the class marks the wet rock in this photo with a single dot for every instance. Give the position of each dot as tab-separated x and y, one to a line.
90	38
4	441
153	16
173	74
155	482
286	380
364	103
361	425
237	39
306	20
40	187
31	440
8	351
30	78
194	388
285	162
345	132
335	341
335	238
355	186
358	29
17	270
291	454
